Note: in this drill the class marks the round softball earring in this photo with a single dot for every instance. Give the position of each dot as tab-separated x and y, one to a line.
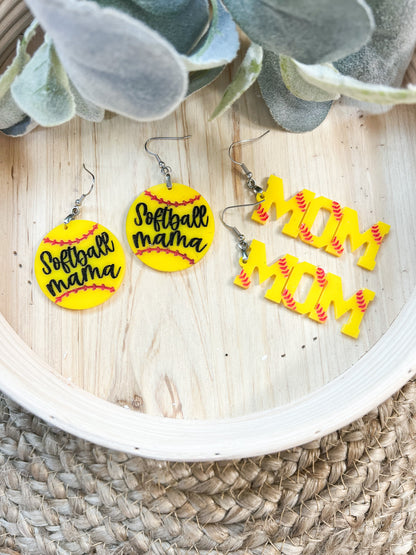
79	264
169	226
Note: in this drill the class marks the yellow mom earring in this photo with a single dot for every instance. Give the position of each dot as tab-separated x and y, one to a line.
170	226
79	264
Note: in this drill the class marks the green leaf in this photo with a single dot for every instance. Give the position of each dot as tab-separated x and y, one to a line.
247	73
181	22
220	44
84	108
289	111
10	113
115	61
330	79
200	79
20	128
311	31
42	89
385	58
298	86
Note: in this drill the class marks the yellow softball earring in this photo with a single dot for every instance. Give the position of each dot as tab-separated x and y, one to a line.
79	264
169	226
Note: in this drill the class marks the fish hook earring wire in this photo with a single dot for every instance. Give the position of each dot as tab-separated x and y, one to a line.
242	243
251	182
76	209
165	170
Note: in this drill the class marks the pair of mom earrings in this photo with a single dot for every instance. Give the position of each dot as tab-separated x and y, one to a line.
287	271
80	264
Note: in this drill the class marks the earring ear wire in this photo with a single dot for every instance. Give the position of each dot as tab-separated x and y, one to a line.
166	170
242	243
251	183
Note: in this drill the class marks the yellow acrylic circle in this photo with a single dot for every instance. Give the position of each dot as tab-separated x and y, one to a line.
79	265
170	230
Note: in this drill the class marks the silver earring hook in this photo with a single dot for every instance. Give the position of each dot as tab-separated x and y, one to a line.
78	202
242	243
251	183
163	167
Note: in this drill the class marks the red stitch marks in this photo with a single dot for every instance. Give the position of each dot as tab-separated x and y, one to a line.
305	232
321	277
169	202
288	300
375	232
166	251
337	211
243	277
262	214
84	288
78	240
300	201
337	245
362	305
320	312
284	268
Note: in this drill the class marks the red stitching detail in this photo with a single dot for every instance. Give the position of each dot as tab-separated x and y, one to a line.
94	286
284	268
244	278
263	215
289	300
361	303
337	245
300	200
320	312
375	232
169	202
305	232
78	240
337	210
166	251
320	277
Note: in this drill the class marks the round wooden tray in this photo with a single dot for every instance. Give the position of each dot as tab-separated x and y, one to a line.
188	366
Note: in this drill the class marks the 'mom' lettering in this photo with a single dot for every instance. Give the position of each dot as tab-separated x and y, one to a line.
326	288
341	223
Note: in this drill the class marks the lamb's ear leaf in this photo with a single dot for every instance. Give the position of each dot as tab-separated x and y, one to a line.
10	113
20	128
247	73
290	112
115	61
181	22
310	31
330	79
84	108
298	86
200	79
385	58
219	45
42	89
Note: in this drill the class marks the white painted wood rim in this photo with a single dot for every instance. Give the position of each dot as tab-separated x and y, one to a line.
376	376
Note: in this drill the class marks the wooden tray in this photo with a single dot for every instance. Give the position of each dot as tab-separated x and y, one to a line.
188	366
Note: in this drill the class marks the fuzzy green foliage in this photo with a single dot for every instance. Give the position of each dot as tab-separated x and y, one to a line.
142	58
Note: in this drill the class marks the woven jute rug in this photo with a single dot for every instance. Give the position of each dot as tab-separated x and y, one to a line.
353	491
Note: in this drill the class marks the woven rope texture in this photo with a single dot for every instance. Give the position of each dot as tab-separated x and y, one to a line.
350	492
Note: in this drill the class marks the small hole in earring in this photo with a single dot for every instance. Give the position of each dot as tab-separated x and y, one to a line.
261	196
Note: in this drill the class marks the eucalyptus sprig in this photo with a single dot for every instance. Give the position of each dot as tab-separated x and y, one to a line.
142	58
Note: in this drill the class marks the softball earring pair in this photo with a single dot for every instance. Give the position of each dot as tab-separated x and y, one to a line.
79	264
169	226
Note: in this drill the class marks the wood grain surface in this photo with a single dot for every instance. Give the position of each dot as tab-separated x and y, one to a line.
192	344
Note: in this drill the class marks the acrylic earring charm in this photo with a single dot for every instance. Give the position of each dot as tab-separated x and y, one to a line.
79	264
169	226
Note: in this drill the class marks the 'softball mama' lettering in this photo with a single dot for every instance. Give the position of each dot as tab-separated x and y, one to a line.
168	228
78	266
